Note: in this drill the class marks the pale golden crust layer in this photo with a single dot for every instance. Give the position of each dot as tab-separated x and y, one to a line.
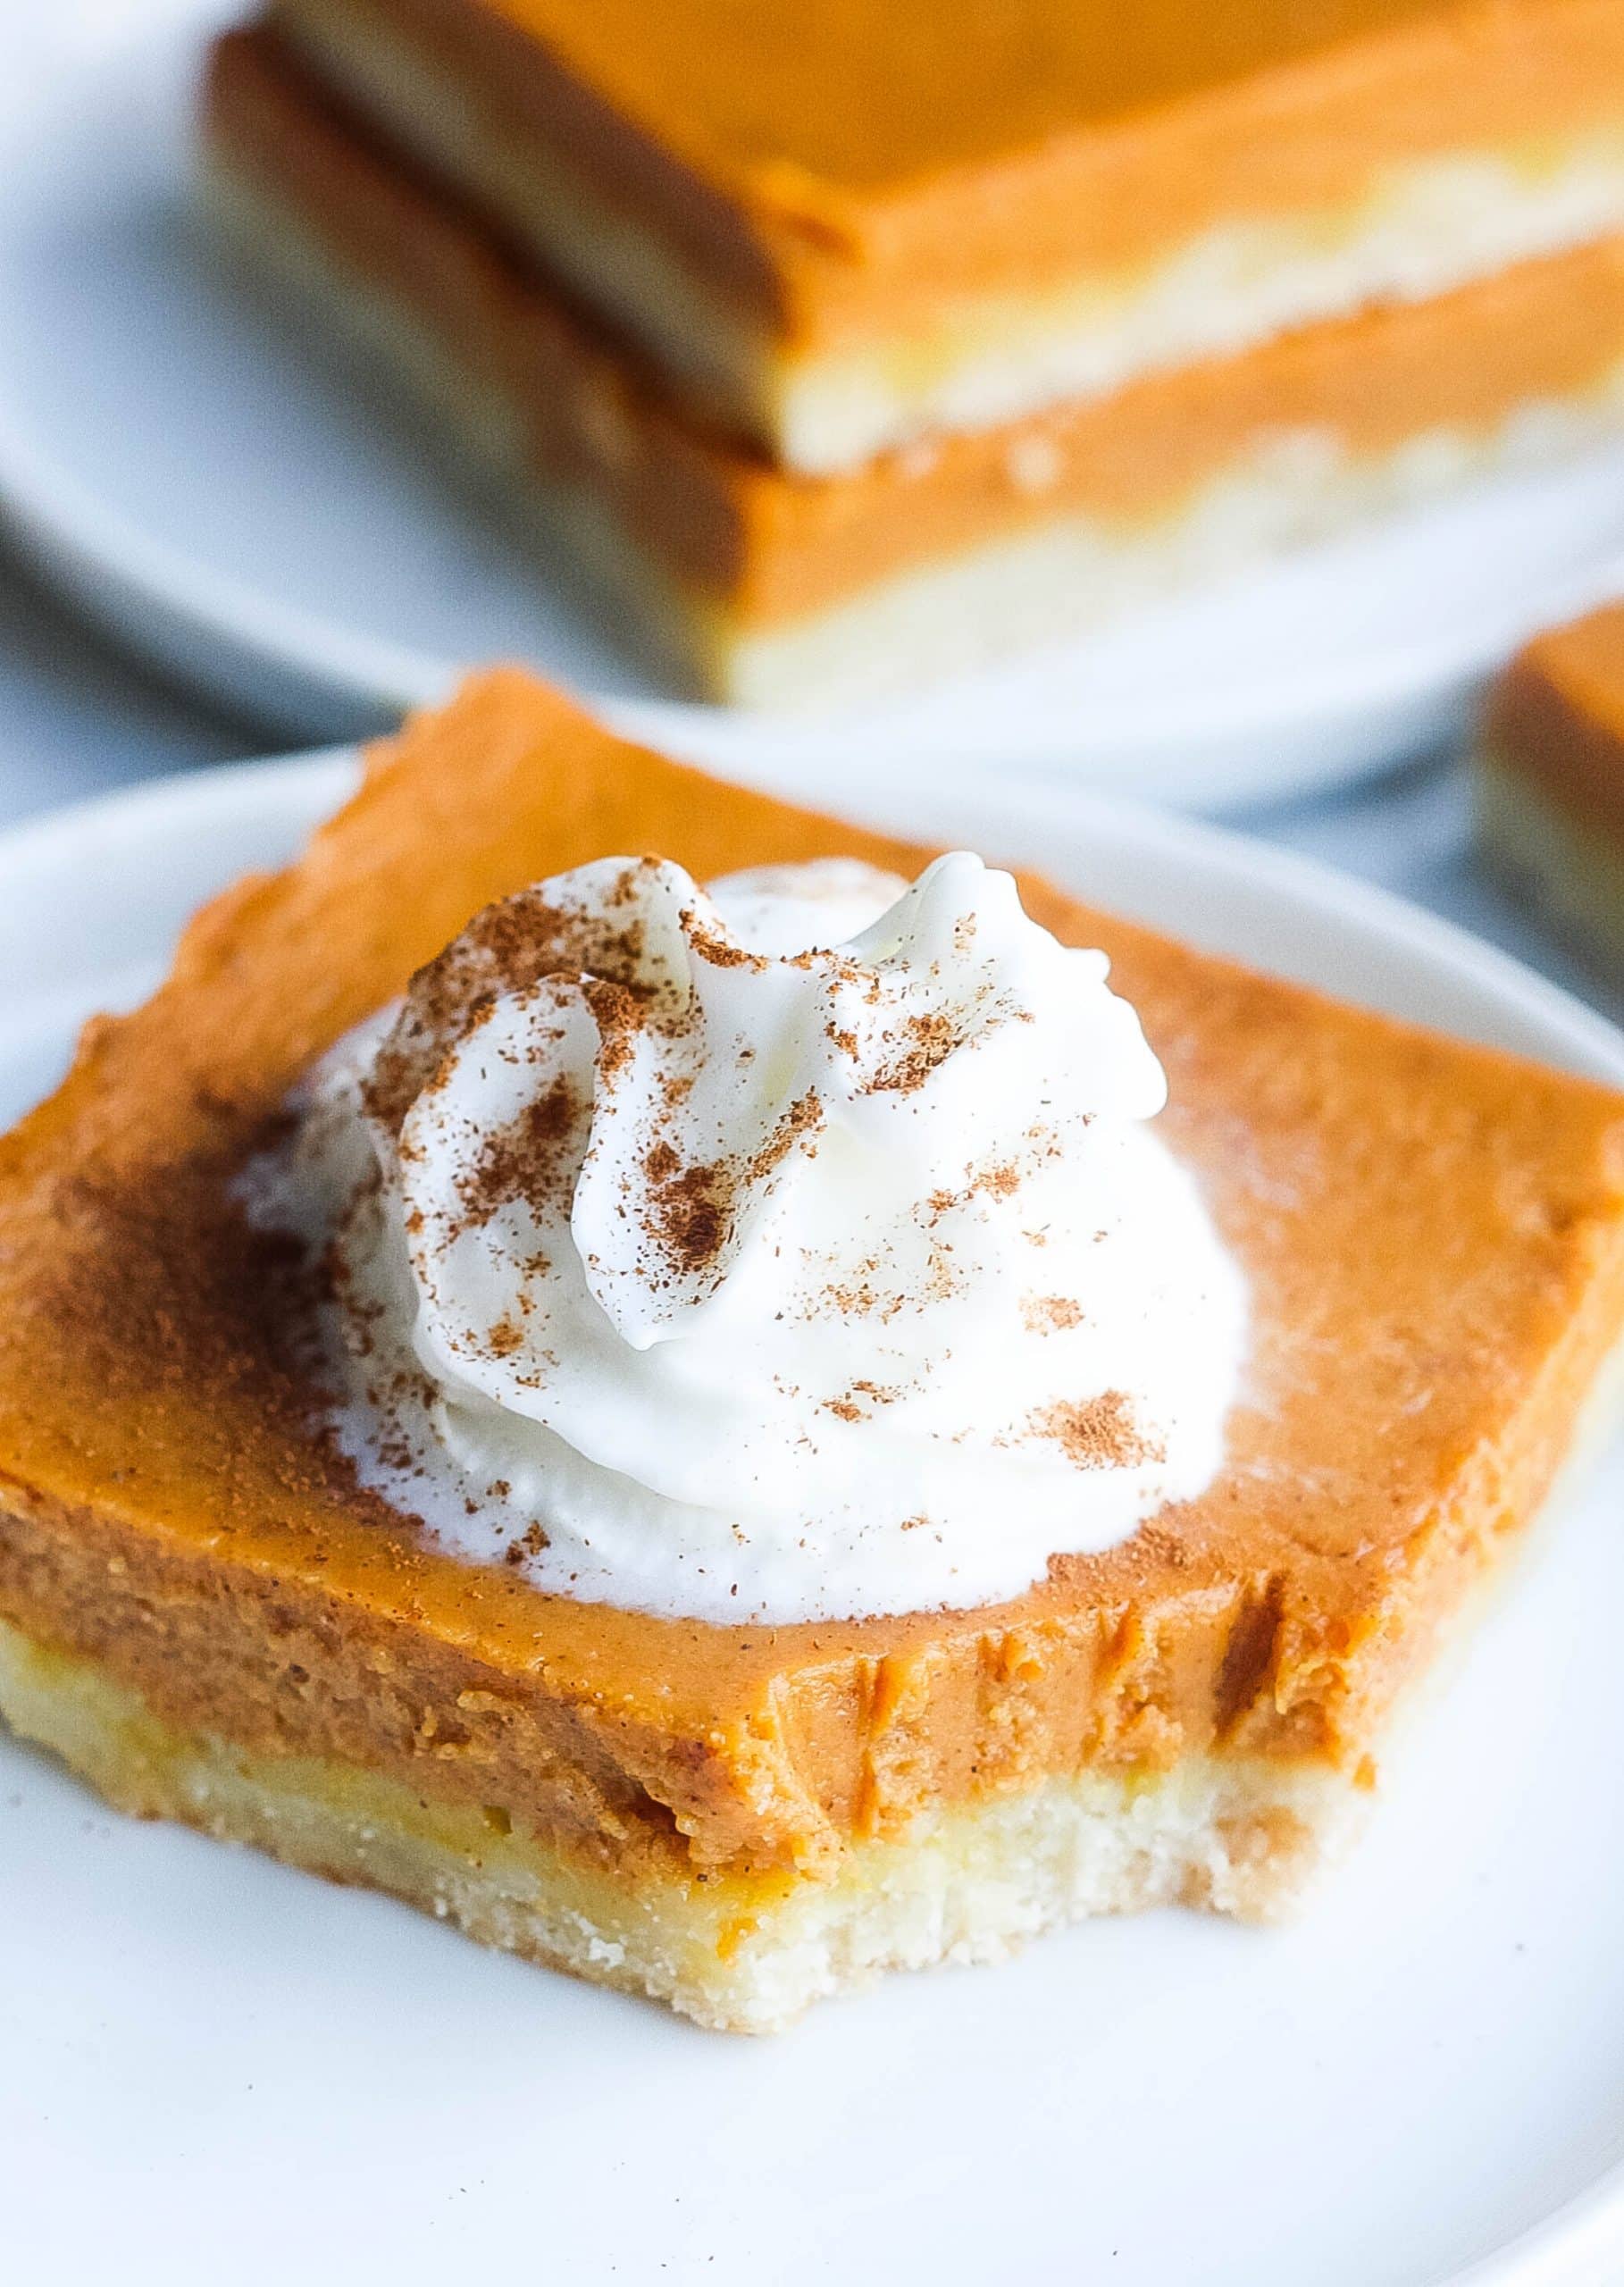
738	1953
1435	1239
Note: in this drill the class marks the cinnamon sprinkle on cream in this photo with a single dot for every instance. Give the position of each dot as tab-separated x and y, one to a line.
1050	1313
1096	1432
630	1155
527	1160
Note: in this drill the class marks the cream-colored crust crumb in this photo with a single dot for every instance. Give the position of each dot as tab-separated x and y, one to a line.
966	1884
946	618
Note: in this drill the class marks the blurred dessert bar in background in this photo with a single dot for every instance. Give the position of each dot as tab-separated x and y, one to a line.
842	345
1551	779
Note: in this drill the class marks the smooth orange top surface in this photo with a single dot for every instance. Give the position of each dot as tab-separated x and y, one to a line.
864	95
1558	714
767	548
1433	1237
852	170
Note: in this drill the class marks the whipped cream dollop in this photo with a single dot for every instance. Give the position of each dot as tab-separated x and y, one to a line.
799	1249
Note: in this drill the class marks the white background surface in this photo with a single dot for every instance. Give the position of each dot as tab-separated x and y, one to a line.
213	2069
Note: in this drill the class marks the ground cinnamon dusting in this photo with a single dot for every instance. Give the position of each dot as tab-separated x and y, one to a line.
692	1208
510	946
1050	1313
857	1402
720	953
527	1160
619	1010
691	1211
170	1287
804	1117
1096	1432
931	1040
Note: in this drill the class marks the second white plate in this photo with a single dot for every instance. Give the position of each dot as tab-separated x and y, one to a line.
249	513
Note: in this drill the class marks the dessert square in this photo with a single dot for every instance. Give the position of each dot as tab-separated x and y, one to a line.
753	583
211	1612
1550	778
837	228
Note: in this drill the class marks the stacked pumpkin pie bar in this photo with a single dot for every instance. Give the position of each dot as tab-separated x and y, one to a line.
841	343
1550	780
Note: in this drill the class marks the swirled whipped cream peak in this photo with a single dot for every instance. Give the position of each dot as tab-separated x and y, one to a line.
797	1248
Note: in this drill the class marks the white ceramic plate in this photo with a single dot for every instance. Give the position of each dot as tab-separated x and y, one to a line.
216	2070
180	461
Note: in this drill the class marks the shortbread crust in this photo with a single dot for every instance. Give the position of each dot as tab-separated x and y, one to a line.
837	231
1435	1239
962	1884
760	587
735	1953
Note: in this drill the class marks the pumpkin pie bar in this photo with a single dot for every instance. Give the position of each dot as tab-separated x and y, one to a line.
210	1612
754	583
838	227
1550	778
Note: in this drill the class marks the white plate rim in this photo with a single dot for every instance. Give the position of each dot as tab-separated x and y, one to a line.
1571	2243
